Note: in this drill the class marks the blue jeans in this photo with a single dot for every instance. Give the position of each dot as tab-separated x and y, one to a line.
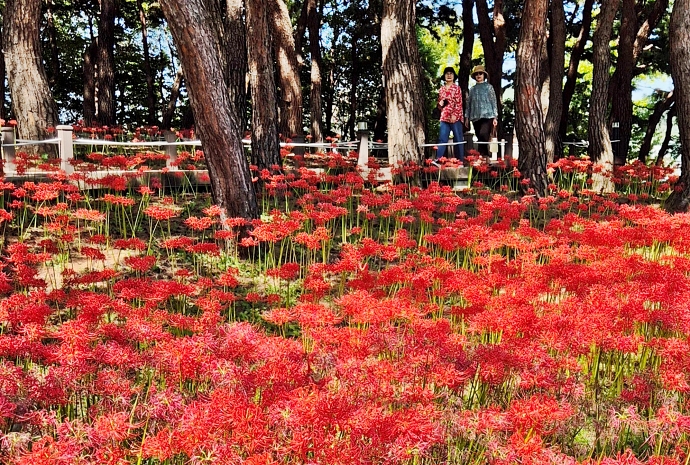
458	147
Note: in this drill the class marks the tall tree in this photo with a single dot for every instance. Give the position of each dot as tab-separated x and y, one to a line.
529	123
575	57
265	148
290	101
89	70
148	73
631	42
2	73
600	148
314	26
493	34
679	200
215	114
467	47
402	76
553	142
105	64
661	107
234	58
32	101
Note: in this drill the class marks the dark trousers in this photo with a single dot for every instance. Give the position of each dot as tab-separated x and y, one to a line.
482	129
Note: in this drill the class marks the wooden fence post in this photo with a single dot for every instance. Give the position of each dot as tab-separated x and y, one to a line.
8	150
171	150
65	147
363	159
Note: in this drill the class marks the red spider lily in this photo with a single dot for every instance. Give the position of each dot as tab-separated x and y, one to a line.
161	213
199	224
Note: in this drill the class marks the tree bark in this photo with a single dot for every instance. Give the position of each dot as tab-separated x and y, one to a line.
89	70
235	57
600	148
217	123
402	74
571	75
32	101
105	64
553	142
148	74
467	46
672	113
2	72
679	37
54	68
661	107
290	101
529	123
314	25
493	37
172	101
265	144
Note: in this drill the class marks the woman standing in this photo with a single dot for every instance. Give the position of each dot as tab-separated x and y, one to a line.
450	104
482	109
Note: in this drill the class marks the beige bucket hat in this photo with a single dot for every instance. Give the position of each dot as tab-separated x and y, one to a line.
479	69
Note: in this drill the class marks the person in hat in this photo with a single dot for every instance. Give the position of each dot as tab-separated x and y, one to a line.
482	109
451	115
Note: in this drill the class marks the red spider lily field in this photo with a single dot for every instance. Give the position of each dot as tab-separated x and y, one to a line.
357	323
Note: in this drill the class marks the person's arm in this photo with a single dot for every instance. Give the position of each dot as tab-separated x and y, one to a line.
468	110
494	103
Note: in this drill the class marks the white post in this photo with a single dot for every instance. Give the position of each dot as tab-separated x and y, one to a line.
363	159
8	150
65	146
170	150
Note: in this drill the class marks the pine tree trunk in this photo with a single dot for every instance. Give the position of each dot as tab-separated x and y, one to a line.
169	112
467	47
2	74
672	113
89	70
217	123
679	36
402	77
32	101
54	68
105	64
493	37
265	148
290	101
529	122
571	75
235	57
314	25
150	93
554	144
600	149
661	107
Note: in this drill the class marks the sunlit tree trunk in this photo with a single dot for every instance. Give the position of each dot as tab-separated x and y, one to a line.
265	148
679	36
148	74
105	64
600	148
217	123
290	99
32	101
402	77
529	124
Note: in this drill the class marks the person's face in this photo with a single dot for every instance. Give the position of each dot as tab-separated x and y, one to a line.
449	76
479	77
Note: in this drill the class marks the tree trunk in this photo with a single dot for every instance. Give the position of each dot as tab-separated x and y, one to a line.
172	101
661	107
314	24
529	123
679	37
235	58
571	75
290	102
493	37
467	46
554	144
630	44
354	82
402	75
672	113
32	101
150	93
217	123
54	69
2	73
600	148
265	144
89	68
105	64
